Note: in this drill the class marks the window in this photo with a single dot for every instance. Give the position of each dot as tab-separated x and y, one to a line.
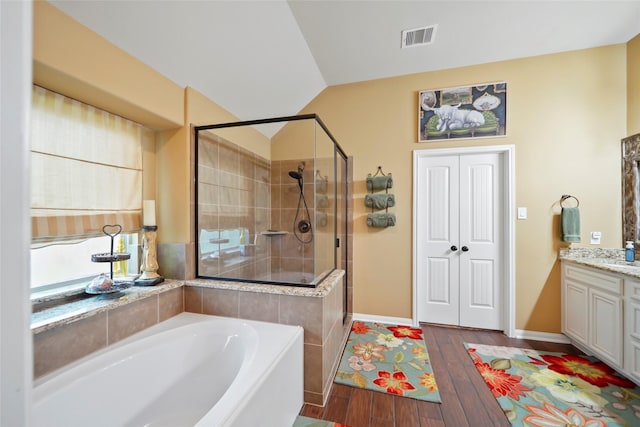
86	172
69	264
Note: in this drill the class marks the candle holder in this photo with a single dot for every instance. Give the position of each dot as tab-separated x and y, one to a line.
149	265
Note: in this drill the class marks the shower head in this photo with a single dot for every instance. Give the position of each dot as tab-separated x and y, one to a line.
298	174
295	175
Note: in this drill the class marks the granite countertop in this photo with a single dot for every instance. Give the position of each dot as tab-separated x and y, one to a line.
320	291
610	260
80	308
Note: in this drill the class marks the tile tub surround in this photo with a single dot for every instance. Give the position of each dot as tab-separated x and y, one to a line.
611	260
176	260
103	321
317	310
99	321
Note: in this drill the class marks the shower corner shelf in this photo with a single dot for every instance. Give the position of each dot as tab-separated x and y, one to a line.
274	233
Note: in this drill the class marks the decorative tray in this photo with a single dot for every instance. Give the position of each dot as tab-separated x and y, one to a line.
110	257
115	287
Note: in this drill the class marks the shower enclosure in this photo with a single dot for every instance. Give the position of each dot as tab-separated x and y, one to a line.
270	201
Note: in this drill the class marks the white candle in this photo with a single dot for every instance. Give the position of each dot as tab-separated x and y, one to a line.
148	212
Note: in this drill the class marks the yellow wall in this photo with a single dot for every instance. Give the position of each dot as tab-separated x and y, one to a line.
174	161
202	111
73	60
565	118
633	86
76	61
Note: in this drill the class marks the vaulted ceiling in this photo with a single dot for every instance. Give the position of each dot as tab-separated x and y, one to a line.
269	58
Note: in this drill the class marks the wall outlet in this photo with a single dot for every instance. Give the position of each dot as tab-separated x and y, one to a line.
595	237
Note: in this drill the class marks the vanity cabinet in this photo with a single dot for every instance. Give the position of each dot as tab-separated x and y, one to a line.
575	299
632	328
592	312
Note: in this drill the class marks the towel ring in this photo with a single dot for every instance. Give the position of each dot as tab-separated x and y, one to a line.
567	196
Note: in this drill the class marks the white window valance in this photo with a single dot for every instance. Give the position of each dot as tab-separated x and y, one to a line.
86	168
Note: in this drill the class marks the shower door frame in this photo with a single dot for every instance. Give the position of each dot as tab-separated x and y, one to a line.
339	241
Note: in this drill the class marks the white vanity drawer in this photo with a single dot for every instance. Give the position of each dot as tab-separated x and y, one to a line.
632	314
632	289
603	281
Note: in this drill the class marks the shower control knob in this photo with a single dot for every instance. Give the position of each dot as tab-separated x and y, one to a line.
454	248
464	249
304	226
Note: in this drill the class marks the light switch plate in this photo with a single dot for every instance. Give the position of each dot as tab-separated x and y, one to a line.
522	213
595	237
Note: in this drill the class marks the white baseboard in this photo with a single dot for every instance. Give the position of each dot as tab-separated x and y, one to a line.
541	336
519	333
382	319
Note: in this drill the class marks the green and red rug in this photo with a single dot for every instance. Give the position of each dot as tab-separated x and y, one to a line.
539	388
388	358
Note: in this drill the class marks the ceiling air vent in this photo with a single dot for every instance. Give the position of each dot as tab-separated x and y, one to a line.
418	36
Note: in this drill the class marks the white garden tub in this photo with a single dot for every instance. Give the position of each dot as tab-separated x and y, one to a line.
192	369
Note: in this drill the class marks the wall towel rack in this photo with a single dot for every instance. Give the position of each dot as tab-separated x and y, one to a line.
378	182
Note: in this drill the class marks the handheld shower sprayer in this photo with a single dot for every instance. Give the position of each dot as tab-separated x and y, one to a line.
298	175
295	175
302	225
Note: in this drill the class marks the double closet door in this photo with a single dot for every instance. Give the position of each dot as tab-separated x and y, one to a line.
459	207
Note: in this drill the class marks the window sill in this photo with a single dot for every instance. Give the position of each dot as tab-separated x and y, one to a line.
57	294
73	304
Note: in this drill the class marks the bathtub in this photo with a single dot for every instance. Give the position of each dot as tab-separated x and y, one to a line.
190	370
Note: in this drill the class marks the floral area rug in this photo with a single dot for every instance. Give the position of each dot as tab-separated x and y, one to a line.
312	422
539	388
389	359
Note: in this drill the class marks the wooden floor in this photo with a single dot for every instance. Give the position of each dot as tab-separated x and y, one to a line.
466	400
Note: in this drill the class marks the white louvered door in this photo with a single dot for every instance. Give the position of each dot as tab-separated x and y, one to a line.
459	205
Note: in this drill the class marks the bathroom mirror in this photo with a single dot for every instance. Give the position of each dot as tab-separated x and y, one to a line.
630	190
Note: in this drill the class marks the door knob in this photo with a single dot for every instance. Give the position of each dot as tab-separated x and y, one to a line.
454	248
464	249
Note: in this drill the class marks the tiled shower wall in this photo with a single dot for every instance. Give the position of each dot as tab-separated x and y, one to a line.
315	253
234	192
287	253
235	175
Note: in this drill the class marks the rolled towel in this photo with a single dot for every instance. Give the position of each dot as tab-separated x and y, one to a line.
381	219
321	219
321	185
379	201
377	183
570	224
322	201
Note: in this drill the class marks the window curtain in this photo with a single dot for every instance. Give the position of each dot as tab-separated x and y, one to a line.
86	168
